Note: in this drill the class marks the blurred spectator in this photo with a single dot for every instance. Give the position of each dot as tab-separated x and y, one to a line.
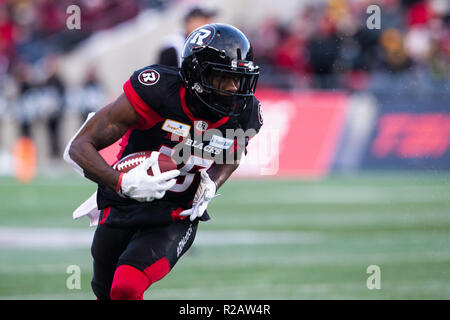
290	54
91	96
50	18
329	42
24	110
39	96
265	40
440	54
392	16
33	29
3	102
7	33
418	13
31	32
52	91
323	51
393	56
170	54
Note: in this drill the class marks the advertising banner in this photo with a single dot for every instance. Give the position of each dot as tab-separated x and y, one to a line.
410	133
300	134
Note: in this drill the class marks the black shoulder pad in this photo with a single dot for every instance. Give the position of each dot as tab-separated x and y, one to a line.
153	84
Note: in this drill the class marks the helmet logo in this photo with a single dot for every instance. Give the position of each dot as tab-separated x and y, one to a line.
201	37
148	77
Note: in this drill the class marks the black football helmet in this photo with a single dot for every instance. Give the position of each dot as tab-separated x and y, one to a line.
213	54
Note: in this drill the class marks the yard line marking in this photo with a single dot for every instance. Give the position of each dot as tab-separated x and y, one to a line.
35	238
58	238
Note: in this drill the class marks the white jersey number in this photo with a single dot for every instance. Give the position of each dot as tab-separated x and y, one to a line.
189	170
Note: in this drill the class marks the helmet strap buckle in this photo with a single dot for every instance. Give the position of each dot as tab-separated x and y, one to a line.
197	87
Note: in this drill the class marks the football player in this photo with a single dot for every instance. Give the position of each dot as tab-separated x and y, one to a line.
147	223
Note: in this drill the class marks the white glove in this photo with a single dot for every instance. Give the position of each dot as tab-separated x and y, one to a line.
137	184
204	194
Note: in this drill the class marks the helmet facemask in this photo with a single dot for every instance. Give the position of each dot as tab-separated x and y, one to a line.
213	74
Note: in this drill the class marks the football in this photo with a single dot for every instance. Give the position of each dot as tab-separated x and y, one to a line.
131	161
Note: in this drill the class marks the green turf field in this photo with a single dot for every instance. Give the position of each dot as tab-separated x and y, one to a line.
267	240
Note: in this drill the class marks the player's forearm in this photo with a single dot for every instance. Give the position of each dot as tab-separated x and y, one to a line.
106	127
221	172
94	166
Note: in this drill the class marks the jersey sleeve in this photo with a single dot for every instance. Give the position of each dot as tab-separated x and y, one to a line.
254	118
144	90
251	122
254	121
